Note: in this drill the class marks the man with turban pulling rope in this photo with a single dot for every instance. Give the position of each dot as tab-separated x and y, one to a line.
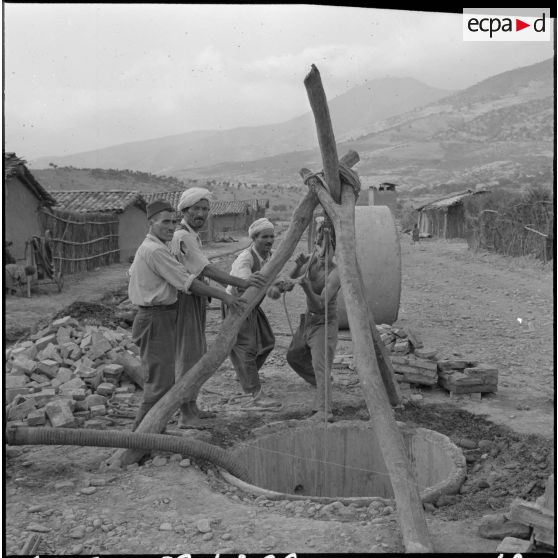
255	338
186	245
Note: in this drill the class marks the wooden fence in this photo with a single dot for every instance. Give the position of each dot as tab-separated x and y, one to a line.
81	241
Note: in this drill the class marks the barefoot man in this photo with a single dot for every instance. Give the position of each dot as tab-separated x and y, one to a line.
307	352
186	245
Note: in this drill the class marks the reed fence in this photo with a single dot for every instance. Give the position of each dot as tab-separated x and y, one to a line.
81	242
512	224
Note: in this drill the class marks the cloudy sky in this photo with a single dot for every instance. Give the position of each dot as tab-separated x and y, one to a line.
83	76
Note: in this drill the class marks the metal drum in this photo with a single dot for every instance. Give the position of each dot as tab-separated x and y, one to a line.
379	257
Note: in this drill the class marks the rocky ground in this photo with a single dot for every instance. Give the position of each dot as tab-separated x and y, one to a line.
464	305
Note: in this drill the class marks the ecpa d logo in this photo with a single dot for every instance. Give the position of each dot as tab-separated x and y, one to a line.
516	24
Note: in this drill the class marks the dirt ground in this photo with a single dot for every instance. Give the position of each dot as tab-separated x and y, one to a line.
462	303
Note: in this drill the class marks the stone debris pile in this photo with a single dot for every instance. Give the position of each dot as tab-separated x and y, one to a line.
71	375
415	364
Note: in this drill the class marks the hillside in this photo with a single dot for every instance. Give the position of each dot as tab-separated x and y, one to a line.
353	112
69	178
498	131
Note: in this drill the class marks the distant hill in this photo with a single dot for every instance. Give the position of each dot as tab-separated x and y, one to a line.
499	130
354	113
70	178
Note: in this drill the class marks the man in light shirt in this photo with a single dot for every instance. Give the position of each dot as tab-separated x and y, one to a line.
255	338
155	279
191	342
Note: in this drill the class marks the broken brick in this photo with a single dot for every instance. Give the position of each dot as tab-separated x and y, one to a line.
60	413
43	342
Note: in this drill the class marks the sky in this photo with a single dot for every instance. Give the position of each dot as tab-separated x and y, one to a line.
78	77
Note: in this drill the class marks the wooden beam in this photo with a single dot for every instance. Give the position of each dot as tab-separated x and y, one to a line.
328	149
409	505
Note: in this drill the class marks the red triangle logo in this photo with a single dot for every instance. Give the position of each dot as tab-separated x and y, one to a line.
519	25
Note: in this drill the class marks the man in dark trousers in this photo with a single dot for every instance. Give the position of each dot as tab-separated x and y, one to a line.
155	279
255	338
186	246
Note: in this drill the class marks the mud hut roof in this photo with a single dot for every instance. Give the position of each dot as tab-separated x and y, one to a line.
16	167
113	201
234	207
228	208
171	197
449	201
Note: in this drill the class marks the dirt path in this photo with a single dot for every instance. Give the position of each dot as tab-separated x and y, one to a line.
459	302
23	314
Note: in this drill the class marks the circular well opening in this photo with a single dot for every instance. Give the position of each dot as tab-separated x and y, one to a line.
343	462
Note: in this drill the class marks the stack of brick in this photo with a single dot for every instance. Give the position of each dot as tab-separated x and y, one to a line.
461	376
415	364
69	375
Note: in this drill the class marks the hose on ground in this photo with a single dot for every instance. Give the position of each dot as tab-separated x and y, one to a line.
22	436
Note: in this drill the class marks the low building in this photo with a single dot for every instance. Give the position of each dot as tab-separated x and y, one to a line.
226	218
444	218
127	207
24	197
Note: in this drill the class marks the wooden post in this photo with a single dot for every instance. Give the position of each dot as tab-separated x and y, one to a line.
409	506
328	149
187	387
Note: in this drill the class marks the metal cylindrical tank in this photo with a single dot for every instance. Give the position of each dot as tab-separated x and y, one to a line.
379	257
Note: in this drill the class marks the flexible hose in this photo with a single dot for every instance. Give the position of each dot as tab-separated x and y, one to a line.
21	436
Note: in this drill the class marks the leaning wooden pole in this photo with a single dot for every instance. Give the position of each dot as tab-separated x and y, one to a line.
409	506
190	384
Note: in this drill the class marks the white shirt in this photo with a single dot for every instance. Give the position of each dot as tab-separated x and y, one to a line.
186	246
242	266
155	275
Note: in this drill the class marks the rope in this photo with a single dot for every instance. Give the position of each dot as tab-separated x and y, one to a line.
326	366
346	175
287	312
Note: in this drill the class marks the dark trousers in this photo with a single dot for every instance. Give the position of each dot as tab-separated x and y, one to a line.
307	354
253	344
191	343
153	331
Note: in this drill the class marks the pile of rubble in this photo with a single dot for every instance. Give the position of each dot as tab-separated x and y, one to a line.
414	364
71	375
527	524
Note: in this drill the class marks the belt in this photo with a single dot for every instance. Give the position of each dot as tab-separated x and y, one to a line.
161	307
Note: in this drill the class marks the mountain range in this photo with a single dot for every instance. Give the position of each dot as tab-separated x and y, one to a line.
404	131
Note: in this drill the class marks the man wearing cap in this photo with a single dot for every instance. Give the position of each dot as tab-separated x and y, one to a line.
155	279
191	318
255	338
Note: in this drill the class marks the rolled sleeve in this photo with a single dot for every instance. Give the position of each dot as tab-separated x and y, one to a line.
185	248
164	264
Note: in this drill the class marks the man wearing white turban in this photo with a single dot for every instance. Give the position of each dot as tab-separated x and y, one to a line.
186	245
255	338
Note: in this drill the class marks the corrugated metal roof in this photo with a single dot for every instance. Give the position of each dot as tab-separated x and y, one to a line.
454	199
97	202
15	167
